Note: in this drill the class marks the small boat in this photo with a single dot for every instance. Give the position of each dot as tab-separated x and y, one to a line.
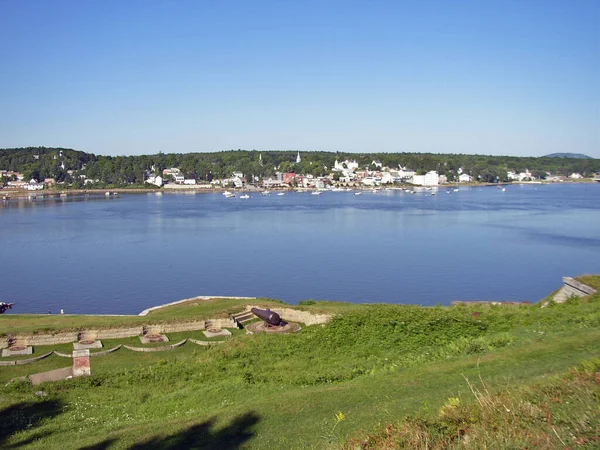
281	193
107	194
244	196
503	189
357	193
265	192
228	194
315	193
456	189
433	192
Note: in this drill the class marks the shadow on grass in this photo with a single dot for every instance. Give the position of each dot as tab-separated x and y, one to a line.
25	416
202	436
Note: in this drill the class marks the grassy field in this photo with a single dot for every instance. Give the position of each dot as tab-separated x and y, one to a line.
350	383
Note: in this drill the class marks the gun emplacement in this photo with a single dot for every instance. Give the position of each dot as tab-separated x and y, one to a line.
270	318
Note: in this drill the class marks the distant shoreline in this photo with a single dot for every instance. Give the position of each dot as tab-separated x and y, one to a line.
198	190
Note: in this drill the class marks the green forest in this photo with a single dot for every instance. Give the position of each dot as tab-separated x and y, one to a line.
44	162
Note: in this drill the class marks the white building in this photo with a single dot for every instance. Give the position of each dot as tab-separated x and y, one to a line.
171	171
429	179
575	176
298	159
178	178
349	165
33	185
371	181
465	178
156	181
405	173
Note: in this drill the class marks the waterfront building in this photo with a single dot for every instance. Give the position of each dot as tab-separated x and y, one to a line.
429	179
156	181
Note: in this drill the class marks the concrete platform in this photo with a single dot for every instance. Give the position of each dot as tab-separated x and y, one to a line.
17	352
153	338
82	345
52	375
214	333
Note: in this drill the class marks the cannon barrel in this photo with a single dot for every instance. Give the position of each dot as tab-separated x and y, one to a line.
270	317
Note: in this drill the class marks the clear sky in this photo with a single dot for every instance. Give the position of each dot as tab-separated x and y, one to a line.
505	77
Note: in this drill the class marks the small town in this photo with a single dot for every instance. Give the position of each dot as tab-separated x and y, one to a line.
342	175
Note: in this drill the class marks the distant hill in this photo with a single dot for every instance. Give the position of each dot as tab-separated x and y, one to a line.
568	155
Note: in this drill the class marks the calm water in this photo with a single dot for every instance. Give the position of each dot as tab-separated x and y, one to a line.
93	254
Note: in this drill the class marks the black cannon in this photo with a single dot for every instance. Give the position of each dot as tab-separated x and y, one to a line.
270	318
5	306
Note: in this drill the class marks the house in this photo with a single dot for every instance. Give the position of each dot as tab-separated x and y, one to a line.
179	178
270	182
156	181
387	178
347	164
33	185
371	181
429	179
10	174
289	177
237	181
465	178
527	175
171	171
575	176
376	163
405	173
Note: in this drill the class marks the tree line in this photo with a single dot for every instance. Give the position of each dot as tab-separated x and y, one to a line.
66	165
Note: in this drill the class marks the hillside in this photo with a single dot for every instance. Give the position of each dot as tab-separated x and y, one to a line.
337	384
568	155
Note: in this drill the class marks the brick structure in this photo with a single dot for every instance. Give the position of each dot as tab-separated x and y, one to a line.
81	363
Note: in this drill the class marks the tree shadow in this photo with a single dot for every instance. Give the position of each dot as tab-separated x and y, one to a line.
100	445
202	436
25	416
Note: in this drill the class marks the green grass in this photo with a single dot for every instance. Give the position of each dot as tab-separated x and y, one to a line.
374	364
558	412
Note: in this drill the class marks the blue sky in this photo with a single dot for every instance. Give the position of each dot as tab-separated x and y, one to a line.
506	77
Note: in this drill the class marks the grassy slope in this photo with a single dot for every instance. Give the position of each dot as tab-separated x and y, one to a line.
375	364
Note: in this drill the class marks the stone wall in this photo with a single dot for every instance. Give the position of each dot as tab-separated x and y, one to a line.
169	327
181	326
572	288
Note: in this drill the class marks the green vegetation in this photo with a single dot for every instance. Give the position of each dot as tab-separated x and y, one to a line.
557	413
370	366
42	162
